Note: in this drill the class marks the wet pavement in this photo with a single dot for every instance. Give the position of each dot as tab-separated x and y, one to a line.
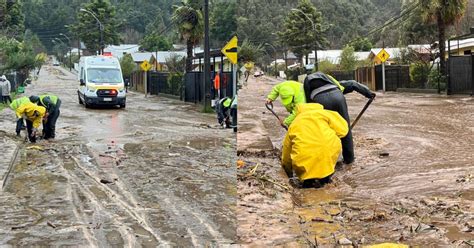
157	173
412	182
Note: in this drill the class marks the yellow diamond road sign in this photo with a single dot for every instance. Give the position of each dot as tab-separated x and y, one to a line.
145	65
230	50
383	55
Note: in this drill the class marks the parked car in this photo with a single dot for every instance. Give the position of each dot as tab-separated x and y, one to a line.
258	73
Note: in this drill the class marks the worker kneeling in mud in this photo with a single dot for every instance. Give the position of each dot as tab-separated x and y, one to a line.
52	104
33	115
226	108
326	90
313	143
14	106
291	94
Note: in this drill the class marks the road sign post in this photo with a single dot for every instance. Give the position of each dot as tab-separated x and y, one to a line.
146	66
383	56
230	51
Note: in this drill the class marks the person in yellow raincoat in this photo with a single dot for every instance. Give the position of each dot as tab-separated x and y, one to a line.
33	114
313	143
291	94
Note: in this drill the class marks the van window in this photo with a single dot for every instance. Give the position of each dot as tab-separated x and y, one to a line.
104	75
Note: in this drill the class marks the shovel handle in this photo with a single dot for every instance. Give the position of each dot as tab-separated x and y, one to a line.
362	112
270	108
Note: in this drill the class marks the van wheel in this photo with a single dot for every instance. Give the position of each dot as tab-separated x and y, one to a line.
85	103
79	98
122	105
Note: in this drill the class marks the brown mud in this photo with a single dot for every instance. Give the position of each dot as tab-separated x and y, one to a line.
158	173
412	182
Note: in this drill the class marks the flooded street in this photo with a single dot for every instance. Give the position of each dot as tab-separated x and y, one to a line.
157	173
412	181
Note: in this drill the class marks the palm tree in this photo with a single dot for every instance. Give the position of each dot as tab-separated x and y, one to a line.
189	18
443	13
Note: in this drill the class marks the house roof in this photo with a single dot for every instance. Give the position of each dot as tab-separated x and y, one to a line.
334	56
462	44
394	52
119	50
140	57
164	55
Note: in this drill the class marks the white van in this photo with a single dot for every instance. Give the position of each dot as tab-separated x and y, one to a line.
101	82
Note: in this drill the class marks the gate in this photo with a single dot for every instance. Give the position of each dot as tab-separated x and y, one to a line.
396	76
158	83
460	79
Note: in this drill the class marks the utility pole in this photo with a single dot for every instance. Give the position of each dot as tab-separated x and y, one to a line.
207	60
101	30
70	50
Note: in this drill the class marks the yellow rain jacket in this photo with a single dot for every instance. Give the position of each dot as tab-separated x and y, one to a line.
313	142
28	110
291	94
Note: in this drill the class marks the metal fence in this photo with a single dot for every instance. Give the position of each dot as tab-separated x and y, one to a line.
396	76
194	86
343	75
461	70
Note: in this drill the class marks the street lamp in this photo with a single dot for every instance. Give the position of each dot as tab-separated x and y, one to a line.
70	51
101	29
275	53
315	35
56	41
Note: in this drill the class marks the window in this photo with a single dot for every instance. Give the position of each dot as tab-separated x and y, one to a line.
104	75
467	52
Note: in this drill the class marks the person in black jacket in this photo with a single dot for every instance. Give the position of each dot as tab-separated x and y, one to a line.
327	91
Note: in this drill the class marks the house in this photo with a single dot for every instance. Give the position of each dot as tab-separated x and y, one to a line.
334	56
120	50
161	58
218	60
393	52
139	57
461	47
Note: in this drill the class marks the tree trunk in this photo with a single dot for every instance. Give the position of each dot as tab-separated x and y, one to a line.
189	60
442	42
307	58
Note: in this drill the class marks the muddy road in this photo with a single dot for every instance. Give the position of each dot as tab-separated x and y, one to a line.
412	182
158	173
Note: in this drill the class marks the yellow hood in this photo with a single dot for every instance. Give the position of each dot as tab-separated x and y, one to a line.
312	145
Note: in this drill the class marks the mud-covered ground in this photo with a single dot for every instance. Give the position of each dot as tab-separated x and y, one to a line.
412	182
158	173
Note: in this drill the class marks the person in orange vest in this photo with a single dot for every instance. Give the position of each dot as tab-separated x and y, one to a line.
217	84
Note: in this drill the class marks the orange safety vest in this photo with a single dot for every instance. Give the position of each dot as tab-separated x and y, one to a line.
217	81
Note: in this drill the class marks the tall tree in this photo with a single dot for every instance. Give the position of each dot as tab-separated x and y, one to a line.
348	59
303	29
88	29
189	19
12	20
154	42
223	22
443	13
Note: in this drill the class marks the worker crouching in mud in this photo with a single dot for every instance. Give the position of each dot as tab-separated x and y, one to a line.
327	91
33	115
226	108
312	144
291	94
52	104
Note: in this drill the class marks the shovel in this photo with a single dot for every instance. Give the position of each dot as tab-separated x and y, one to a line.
362	112
270	108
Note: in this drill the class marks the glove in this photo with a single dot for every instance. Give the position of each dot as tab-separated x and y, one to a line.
269	101
372	95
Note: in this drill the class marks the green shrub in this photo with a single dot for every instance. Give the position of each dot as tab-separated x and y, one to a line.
176	83
419	73
326	66
293	73
433	78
